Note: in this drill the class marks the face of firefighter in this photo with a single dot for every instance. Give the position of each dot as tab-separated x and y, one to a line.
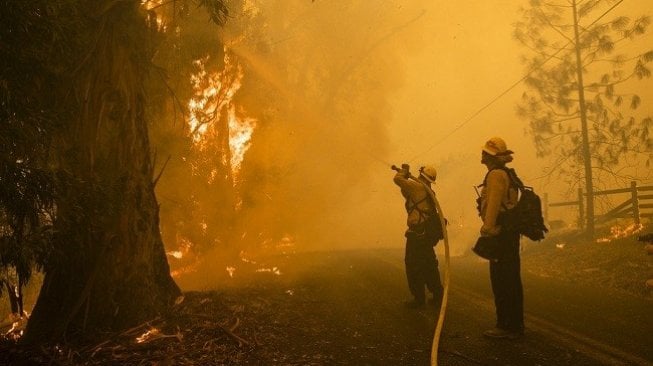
489	161
485	158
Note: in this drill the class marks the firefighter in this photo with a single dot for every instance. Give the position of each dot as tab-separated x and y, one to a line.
498	195
421	262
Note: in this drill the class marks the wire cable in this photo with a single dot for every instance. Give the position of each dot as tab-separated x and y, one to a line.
511	87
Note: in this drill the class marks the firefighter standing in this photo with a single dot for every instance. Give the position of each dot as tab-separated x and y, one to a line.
420	259
498	195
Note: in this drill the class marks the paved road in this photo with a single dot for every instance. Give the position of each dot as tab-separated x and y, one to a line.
348	309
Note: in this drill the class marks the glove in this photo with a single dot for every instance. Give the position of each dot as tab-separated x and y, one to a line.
405	170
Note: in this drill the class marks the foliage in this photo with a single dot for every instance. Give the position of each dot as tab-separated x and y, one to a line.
617	131
28	75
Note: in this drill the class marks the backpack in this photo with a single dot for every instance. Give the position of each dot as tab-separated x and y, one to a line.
526	217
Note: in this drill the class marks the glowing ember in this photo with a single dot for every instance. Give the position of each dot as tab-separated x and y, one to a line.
617	232
154	333
17	327
150	334
242	258
274	270
287	241
186	269
231	271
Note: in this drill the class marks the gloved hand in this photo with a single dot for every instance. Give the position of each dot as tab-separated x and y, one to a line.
405	170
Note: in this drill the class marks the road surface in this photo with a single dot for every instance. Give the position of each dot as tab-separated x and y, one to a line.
346	308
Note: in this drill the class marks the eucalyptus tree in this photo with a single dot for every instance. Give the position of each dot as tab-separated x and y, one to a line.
86	66
580	102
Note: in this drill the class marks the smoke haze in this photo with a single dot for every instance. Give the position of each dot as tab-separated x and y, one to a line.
343	89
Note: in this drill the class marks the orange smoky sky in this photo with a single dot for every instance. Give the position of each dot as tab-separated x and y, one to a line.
361	85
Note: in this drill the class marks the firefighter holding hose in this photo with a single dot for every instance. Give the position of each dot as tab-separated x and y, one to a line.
423	233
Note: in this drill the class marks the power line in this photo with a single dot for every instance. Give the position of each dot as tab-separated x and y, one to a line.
533	69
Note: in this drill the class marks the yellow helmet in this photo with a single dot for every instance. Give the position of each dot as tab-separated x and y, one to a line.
428	172
496	147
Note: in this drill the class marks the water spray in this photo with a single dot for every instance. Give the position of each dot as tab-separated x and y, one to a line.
445	295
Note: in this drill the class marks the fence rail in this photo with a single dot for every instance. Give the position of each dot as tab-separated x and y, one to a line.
637	206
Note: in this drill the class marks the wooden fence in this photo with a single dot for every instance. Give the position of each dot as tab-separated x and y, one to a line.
637	206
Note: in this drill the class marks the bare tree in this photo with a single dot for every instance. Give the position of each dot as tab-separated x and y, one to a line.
580	101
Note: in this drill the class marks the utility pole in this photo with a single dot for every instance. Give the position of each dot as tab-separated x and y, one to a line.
587	158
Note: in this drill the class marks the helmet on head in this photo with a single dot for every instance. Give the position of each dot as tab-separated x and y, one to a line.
496	147
428	172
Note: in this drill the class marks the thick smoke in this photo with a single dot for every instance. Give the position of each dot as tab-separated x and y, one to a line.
343	89
320	76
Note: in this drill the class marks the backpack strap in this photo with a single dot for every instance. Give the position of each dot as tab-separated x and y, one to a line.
424	214
513	179
430	195
410	208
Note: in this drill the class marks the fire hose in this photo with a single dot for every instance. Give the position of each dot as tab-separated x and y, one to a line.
445	295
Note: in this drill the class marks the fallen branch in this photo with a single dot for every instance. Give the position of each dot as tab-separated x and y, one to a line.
96	348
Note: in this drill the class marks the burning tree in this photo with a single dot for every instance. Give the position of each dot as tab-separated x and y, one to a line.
580	101
106	267
200	188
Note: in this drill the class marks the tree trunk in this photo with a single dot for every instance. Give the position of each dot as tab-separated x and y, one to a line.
109	270
587	157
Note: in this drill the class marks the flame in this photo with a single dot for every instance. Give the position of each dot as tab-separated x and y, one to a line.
176	253
183	246
213	98
618	232
242	257
231	271
240	136
152	6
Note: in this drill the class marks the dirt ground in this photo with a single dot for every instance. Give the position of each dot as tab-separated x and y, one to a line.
621	264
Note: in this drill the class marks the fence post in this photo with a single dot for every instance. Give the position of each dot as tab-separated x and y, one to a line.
581	209
635	200
545	207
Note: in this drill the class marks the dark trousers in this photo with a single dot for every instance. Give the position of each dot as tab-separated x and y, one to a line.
506	285
422	268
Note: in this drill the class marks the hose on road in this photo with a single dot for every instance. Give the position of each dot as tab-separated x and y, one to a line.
445	294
